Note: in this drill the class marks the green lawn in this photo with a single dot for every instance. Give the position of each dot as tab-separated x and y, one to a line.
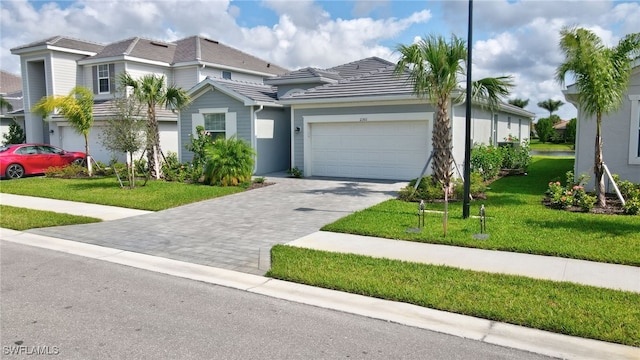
516	221
155	196
22	219
538	146
566	308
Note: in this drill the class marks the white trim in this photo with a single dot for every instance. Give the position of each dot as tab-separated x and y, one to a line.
372	117
634	127
413	116
292	164
213	110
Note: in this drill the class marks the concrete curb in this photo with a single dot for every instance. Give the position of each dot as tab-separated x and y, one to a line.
538	341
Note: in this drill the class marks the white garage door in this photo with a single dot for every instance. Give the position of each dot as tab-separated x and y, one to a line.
375	150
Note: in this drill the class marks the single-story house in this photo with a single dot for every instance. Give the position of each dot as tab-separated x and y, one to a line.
620	135
357	120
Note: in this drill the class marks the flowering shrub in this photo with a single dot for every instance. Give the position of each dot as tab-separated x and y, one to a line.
560	197
486	160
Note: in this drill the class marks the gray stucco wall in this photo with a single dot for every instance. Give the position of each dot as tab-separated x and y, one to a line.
274	154
353	110
213	99
273	149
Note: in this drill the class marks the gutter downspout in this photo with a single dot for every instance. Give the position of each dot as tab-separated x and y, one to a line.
254	138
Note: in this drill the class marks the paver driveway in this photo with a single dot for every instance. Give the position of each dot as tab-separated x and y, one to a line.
233	231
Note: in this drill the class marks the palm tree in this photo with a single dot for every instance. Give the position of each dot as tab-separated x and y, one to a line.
521	103
4	104
602	76
436	66
77	108
151	90
550	105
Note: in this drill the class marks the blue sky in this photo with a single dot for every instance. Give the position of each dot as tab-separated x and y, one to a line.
511	37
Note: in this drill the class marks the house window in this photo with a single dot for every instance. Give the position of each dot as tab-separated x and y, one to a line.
214	124
226	75
103	79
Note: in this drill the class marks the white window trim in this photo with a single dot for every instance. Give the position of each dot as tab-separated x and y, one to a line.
634	127
231	127
108	77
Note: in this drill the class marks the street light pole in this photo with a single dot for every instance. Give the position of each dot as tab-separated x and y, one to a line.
466	203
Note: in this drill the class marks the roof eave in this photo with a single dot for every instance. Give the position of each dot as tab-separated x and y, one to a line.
123	58
21	51
296	81
348	99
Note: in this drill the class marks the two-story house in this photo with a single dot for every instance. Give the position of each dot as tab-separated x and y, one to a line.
56	65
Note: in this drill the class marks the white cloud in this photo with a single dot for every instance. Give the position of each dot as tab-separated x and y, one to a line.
513	37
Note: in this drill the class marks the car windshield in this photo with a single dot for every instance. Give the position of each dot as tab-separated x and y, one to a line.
4	148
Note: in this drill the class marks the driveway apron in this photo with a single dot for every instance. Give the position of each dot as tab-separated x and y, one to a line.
237	231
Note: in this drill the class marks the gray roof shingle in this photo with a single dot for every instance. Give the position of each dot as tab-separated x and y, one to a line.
198	48
105	109
9	83
65	42
360	67
140	48
253	91
380	82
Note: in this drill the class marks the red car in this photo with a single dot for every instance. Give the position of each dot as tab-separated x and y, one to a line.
19	160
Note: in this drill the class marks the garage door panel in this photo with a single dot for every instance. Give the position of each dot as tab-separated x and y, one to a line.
378	150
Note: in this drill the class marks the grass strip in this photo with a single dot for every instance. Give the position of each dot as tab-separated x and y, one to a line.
17	218
517	221
566	308
154	196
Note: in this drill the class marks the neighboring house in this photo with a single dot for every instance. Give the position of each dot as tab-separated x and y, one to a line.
55	65
11	91
620	135
355	120
560	128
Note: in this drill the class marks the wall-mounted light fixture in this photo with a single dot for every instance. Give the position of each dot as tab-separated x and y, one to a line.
51	131
298	129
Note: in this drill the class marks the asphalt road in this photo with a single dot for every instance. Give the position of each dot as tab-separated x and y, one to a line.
72	307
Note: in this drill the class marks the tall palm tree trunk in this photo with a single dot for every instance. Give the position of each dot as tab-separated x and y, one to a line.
441	140
153	143
598	163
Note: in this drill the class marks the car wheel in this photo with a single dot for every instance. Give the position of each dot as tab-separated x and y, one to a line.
14	171
80	161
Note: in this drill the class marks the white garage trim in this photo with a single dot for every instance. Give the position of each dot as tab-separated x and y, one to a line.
308	121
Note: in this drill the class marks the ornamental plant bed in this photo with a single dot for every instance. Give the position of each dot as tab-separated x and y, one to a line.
614	206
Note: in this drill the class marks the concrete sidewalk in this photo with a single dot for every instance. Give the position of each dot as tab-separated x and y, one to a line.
103	212
612	276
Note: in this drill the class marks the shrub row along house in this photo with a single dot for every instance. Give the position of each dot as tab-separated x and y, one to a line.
353	120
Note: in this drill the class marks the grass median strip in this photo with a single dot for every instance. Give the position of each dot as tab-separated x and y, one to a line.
17	218
566	308
154	196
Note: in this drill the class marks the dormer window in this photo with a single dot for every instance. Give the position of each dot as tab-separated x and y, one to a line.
226	75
